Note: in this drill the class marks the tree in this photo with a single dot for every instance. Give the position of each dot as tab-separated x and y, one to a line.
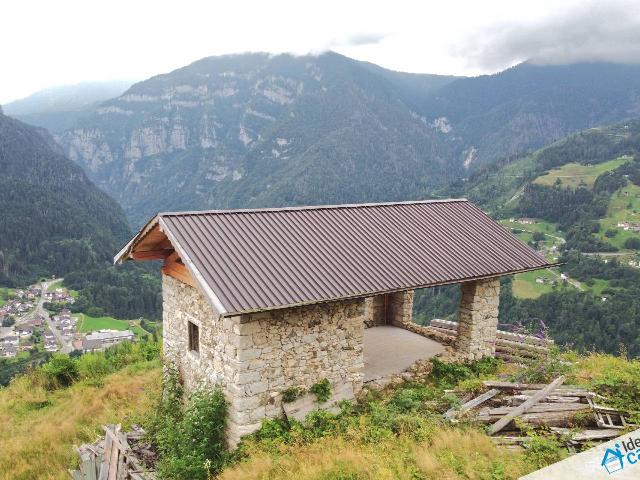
632	243
8	321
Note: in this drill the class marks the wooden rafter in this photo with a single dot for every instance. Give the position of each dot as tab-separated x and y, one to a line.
151	254
179	272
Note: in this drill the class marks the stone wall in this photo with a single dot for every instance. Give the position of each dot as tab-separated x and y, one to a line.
400	309
182	303
294	347
256	357
478	318
389	309
374	311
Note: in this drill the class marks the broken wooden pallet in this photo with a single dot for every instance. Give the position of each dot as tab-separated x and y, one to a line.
110	458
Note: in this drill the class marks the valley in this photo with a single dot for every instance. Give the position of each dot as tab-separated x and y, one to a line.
552	152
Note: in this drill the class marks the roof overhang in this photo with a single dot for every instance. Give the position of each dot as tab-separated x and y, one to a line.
163	229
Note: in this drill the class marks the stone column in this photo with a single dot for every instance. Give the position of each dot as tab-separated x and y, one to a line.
478	318
400	308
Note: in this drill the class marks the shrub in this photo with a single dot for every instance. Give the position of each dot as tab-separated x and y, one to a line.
322	390
542	451
545	369
632	243
60	371
448	375
291	393
93	367
8	321
190	438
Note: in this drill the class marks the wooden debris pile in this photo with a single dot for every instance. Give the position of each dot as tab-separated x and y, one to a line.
568	412
113	458
513	347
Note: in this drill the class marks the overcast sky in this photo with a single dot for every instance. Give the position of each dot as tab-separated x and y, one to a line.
55	42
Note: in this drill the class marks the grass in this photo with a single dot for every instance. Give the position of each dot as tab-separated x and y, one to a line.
89	324
54	286
624	206
398	433
447	454
525	285
574	175
4	295
40	427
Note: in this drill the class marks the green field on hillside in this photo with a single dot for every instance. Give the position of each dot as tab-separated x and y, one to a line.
4	295
573	175
525	285
553	236
88	323
624	206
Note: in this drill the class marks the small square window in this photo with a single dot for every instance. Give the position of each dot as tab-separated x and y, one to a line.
194	337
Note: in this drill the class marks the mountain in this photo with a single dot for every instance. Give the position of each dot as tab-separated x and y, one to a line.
256	130
57	108
54	220
529	106
262	130
578	201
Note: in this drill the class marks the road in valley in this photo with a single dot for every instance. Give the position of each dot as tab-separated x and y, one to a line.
41	311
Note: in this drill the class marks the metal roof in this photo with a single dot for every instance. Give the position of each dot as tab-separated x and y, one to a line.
252	260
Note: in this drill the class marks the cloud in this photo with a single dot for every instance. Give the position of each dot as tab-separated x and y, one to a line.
586	31
360	39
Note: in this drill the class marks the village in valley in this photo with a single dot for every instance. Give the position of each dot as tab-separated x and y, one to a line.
39	318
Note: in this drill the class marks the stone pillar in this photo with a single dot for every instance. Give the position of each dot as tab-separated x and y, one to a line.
400	308
478	318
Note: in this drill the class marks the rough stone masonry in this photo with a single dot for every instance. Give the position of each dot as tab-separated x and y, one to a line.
478	318
256	357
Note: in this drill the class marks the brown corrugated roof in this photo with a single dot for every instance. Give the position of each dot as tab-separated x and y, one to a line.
251	260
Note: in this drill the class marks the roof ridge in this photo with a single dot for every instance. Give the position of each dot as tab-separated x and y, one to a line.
310	207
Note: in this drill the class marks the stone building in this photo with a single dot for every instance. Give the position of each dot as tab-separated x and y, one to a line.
262	301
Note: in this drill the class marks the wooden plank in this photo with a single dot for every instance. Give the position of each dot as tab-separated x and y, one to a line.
115	452
587	435
179	272
532	387
151	254
106	458
453	412
519	410
546	419
542	408
518	399
501	334
564	392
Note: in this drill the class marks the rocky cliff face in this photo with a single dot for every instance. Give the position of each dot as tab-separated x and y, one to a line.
260	130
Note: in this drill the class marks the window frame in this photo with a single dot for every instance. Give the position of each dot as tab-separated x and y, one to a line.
193	337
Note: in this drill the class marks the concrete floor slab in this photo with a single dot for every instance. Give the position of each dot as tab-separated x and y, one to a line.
389	350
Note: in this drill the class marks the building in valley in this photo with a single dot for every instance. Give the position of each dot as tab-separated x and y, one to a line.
102	339
261	301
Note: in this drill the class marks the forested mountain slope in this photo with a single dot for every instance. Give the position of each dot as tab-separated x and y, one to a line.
55	221
581	195
529	106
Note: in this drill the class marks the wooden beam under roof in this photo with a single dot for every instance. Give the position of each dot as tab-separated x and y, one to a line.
177	270
151	254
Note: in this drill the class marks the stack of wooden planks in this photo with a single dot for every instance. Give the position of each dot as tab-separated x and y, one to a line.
111	458
568	412
509	346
